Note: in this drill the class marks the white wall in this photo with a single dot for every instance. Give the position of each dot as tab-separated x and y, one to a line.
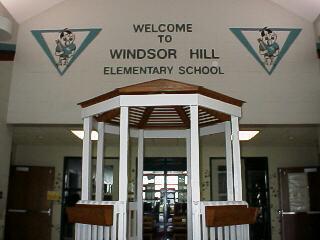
278	156
5	130
289	96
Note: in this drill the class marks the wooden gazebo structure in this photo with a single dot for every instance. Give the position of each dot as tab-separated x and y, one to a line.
160	109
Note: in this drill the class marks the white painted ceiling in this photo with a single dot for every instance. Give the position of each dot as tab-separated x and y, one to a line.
308	9
22	10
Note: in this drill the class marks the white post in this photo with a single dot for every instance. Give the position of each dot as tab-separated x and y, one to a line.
189	192
140	185
195	172
229	164
83	230
99	164
236	159
86	159
123	172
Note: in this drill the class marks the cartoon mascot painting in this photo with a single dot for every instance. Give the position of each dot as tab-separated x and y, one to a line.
268	46
65	47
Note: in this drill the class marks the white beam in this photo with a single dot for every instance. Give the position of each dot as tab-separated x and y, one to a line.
108	128
219	106
140	184
236	159
195	171
159	100
86	159
189	192
134	133
209	130
123	172
101	107
165	134
229	162
100	164
111	129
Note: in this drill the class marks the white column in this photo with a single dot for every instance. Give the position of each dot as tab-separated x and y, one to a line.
140	185
86	159
236	159
123	172
100	163
195	172
189	192
229	162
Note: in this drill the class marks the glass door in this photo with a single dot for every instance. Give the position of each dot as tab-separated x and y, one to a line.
165	203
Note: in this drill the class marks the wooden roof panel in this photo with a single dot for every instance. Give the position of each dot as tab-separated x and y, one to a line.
161	86
163	116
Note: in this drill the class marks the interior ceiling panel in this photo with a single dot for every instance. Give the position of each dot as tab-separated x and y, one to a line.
308	9
22	10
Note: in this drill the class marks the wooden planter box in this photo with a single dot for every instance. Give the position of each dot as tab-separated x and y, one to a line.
219	216
101	215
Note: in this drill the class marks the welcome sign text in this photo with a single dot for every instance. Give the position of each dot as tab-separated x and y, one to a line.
164	33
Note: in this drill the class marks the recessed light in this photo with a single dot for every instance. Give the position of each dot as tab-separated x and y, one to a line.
247	135
80	134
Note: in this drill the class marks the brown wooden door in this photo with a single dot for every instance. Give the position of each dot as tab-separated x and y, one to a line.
28	210
299	203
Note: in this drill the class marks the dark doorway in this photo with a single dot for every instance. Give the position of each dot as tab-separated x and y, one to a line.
71	190
165	198
257	189
256	186
71	193
28	210
299	203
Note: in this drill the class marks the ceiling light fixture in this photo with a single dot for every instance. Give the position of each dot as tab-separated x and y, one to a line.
80	134
247	135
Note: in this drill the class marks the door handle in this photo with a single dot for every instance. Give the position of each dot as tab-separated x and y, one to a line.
17	210
313	212
46	211
290	213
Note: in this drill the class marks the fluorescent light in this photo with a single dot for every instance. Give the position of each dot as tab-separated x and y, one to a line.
247	135
243	135
80	134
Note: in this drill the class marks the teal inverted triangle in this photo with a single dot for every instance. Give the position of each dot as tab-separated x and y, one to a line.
38	34
293	34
